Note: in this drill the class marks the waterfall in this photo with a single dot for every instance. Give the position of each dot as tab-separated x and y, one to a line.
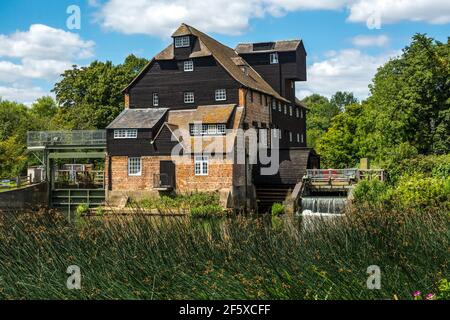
323	205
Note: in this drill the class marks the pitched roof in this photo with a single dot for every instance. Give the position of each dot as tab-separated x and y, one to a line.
214	114
138	118
179	121
224	55
278	46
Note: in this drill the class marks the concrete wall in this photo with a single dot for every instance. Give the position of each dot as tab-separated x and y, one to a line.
25	198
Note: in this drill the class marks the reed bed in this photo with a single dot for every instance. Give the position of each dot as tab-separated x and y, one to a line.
240	257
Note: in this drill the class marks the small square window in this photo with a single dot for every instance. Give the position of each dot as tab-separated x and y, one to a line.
221	129
134	166
181	42
221	95
201	165
189	97
155	99
274	58
189	66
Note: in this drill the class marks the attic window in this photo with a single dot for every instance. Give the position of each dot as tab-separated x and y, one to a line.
182	42
274	58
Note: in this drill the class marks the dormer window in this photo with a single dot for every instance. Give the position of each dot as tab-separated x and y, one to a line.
182	42
188	66
274	58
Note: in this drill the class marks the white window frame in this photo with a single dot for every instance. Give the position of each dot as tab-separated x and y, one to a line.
155	99
125	134
182	42
188	66
274	58
302	140
201	165
274	105
189	97
298	137
207	129
221	129
134	163
290	136
285	109
290	111
297	112
279	107
221	95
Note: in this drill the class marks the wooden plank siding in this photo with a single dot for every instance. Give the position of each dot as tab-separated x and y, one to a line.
168	79
293	165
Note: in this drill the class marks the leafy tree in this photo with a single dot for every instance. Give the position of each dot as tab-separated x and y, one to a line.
320	113
91	97
343	99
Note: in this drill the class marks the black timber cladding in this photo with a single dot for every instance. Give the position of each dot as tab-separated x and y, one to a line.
170	81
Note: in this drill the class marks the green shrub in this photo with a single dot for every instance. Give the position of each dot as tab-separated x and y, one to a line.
82	210
277	209
422	192
437	166
371	191
100	212
207	211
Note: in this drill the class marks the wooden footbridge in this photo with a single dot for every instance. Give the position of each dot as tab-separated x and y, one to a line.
69	188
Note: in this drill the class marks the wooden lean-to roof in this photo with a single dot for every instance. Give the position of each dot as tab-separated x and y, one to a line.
225	56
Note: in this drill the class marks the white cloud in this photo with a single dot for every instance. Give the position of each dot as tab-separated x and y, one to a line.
44	42
370	41
23	94
345	70
161	17
391	11
40	53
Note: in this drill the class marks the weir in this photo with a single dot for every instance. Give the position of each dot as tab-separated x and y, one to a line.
327	192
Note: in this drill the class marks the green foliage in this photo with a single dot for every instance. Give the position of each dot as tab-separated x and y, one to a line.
422	192
99	212
82	210
91	97
206	211
408	112
178	203
277	209
371	191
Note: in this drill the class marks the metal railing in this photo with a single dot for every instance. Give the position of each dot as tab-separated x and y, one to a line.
14	183
64	179
344	175
66	138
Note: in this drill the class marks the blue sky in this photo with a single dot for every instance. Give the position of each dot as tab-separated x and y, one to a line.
346	40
